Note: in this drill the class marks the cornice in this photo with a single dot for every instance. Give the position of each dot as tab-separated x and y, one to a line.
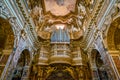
4	11
29	24
92	33
92	19
91	24
23	20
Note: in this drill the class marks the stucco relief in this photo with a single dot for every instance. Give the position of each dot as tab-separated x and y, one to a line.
4	12
110	26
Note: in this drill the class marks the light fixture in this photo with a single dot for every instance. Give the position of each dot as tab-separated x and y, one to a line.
60	26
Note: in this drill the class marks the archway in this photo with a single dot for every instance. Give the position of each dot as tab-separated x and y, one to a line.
6	42
113	42
113	37
23	61
99	71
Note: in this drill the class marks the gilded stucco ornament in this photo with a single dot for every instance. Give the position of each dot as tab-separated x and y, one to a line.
45	18
114	23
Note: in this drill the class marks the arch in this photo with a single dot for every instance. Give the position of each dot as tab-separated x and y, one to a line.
93	55
111	34
6	42
25	57
23	61
98	63
6	33
6	15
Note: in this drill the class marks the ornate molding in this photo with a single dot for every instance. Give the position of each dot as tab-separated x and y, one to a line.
31	33
97	28
4	11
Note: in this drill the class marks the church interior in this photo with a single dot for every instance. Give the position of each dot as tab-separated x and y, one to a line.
59	39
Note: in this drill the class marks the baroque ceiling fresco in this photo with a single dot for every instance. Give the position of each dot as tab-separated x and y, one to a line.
69	14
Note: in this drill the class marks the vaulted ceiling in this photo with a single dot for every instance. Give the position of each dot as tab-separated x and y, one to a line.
72	14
